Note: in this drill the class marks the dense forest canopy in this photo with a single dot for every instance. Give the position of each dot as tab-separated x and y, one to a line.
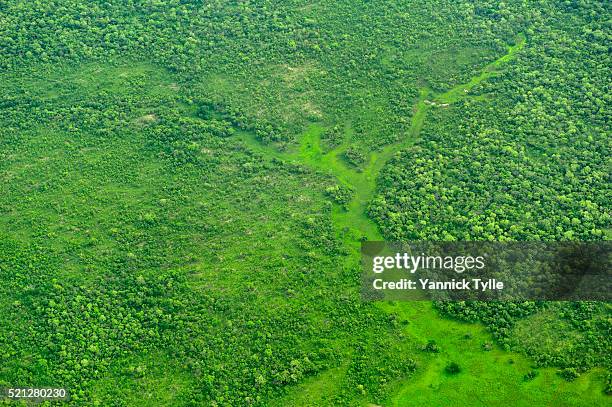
184	183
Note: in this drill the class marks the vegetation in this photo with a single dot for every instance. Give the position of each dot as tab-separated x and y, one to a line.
530	376
431	347
185	185
340	194
452	368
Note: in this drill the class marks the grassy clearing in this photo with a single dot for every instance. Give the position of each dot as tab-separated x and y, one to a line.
492	377
455	94
487	378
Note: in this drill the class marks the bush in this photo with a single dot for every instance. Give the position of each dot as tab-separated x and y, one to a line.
452	368
340	194
569	374
530	376
354	157
431	347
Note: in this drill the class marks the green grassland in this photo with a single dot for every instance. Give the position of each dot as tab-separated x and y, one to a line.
184	188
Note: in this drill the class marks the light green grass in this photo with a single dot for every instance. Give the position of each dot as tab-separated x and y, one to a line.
489	378
492	69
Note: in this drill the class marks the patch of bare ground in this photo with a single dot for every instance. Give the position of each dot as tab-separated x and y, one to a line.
147	119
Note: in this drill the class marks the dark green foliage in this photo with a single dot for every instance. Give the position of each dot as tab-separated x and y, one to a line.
340	194
431	347
569	374
375	368
163	242
332	137
530	376
525	156
452	368
354	157
523	162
